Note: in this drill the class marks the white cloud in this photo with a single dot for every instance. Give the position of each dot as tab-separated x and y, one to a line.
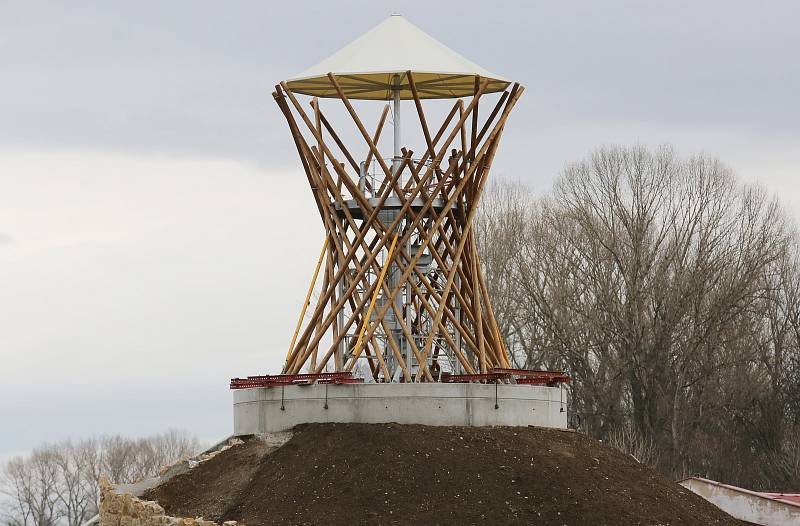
136	287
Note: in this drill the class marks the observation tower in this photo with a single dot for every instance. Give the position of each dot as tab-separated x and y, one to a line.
403	299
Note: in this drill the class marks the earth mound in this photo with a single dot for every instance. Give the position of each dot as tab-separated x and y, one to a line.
342	474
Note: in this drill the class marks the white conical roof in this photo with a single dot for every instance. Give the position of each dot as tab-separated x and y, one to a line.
369	67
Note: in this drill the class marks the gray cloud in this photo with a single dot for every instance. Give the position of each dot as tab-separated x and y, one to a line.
117	85
195	77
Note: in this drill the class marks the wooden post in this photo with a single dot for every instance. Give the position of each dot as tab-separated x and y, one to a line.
431	213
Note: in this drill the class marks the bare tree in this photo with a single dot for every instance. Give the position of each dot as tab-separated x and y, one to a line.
76	503
500	229
57	484
32	485
627	440
659	283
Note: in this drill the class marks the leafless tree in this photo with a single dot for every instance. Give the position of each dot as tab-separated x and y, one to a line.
32	485
75	501
57	484
627	440
668	290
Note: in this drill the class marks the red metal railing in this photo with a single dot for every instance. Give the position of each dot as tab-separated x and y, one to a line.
534	377
273	380
517	376
467	378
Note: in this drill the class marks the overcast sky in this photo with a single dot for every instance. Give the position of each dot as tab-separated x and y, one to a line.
148	182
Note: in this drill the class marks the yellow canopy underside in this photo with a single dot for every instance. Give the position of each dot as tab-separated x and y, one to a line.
380	86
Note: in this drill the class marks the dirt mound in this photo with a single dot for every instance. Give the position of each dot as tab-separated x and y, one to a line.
393	474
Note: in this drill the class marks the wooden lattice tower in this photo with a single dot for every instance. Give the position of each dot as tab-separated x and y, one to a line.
403	295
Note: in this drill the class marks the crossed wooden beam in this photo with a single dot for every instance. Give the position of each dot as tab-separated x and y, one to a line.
443	318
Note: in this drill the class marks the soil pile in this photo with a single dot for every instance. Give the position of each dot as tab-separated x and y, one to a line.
398	474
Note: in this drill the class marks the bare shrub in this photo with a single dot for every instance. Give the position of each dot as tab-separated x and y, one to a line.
627	440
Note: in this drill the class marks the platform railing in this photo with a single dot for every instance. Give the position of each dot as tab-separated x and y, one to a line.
371	177
514	376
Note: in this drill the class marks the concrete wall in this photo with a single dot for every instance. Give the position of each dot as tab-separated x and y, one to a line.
745	505
258	410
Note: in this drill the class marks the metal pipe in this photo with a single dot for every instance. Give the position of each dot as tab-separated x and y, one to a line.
397	141
394	275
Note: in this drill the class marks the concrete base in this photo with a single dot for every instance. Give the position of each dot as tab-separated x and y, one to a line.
268	410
